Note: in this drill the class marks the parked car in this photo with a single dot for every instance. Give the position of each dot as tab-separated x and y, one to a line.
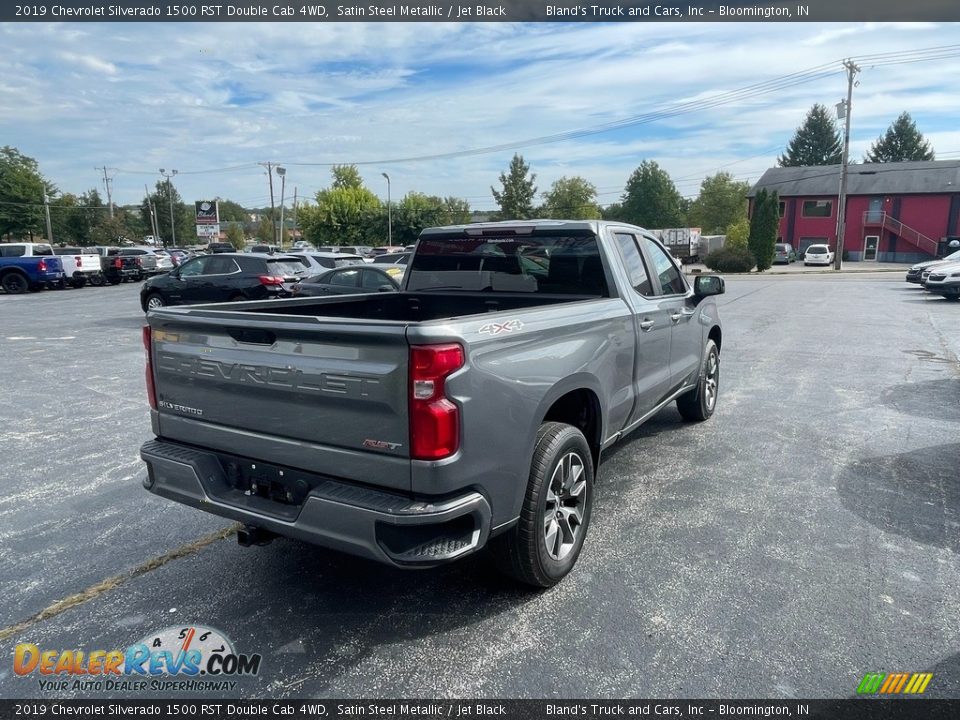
395	263
117	268
178	255
151	261
378	251
317	262
29	266
347	281
220	247
470	409
784	253
818	255
915	273
264	249
944	280
80	266
223	277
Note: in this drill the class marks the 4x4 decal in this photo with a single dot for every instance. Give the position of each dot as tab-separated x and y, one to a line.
497	328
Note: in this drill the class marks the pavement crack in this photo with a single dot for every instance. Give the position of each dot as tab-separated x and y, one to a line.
111	583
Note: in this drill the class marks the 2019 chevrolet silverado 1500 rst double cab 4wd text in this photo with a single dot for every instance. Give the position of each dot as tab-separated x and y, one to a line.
469	409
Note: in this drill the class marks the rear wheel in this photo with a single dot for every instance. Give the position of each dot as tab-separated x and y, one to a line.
546	541
96	280
698	404
78	281
15	283
115	280
154	301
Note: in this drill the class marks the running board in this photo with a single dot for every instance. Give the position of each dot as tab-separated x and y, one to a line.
637	423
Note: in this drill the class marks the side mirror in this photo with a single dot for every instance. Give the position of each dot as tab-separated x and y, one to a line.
706	285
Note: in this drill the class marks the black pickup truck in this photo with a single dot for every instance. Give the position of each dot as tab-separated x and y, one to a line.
117	268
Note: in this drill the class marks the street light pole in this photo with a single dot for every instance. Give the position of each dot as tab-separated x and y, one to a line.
852	70
173	230
269	167
282	172
389	213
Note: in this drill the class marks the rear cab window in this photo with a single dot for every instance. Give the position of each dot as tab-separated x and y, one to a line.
568	264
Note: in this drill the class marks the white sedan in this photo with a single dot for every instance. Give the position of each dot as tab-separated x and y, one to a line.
818	255
944	280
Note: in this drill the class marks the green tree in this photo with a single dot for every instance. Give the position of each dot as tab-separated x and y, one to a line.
235	236
347	213
164	196
614	211
901	142
230	211
417	211
764	226
22	189
721	202
815	142
738	233
346	176
651	199
571	199
266	231
518	191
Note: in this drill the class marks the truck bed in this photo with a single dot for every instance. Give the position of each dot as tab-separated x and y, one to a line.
405	307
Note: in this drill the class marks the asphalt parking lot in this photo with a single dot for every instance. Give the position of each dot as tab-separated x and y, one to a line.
807	534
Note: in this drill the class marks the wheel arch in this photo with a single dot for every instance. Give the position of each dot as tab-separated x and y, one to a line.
576	402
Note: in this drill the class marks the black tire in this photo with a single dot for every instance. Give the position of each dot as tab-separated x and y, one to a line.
96	280
522	552
115	280
78	281
154	300
15	283
236	297
698	404
952	297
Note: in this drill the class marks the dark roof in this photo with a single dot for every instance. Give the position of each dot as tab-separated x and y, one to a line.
903	178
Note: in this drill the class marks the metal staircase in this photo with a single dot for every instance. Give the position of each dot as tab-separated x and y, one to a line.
882	220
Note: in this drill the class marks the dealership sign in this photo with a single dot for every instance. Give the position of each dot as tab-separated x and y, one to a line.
208	231
207	212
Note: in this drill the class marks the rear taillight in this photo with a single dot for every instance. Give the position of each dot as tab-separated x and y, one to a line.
148	370
434	418
118	264
272	280
78	260
42	266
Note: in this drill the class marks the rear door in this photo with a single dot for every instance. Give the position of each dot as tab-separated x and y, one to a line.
652	329
676	299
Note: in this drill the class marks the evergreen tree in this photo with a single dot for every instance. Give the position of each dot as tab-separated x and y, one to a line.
651	199
816	142
901	142
516	197
764	226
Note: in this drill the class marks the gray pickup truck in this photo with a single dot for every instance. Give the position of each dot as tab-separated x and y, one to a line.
470	409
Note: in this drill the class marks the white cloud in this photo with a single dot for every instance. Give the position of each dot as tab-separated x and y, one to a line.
200	96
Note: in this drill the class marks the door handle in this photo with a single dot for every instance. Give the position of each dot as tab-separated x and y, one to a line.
677	316
647	325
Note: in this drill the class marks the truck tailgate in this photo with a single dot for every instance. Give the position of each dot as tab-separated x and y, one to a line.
285	382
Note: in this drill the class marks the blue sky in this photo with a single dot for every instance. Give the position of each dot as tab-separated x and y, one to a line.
199	97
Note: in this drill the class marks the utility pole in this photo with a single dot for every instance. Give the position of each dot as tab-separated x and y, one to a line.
46	207
106	184
295	211
282	172
173	231
389	213
269	167
852	70
153	215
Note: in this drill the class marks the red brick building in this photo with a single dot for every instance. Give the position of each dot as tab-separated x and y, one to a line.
896	212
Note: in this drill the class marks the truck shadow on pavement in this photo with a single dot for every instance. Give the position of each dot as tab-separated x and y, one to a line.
938	399
914	495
